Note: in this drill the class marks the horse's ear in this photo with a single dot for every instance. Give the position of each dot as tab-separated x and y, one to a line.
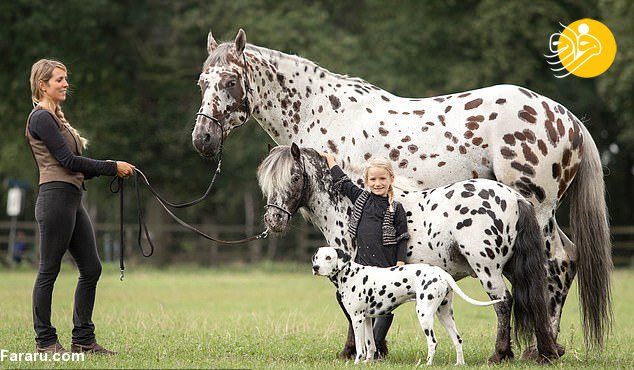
295	151
241	41
211	43
269	146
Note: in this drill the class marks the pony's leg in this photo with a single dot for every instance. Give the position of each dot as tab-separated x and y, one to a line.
370	349
496	289
560	273
445	316
425	312
349	349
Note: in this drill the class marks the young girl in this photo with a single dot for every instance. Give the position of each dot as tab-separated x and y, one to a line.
378	225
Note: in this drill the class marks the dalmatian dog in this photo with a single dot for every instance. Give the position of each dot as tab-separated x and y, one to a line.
367	291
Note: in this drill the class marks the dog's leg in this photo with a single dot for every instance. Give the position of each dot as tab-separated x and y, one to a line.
445	316
369	340
425	312
358	324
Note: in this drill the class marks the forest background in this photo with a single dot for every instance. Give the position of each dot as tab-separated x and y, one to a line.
134	66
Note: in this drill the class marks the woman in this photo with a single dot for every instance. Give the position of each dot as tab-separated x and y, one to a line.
378	225
63	222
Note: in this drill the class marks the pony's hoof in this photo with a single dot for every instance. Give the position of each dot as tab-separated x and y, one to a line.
532	354
347	353
501	356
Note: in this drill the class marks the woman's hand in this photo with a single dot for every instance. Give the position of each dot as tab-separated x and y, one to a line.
124	169
330	160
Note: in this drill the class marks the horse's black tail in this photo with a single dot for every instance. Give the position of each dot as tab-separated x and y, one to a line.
530	311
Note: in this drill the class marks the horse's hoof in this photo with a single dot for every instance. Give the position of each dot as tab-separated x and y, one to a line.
499	356
347	353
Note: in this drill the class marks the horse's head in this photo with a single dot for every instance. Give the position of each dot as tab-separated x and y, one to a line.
283	179
225	86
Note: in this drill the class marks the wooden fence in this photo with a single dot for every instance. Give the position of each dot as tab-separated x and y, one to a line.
175	244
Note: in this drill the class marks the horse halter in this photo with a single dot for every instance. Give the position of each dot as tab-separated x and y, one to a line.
244	103
302	196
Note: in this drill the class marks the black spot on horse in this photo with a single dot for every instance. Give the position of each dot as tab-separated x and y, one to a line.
334	102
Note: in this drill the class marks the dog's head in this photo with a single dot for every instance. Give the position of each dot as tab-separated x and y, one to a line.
327	261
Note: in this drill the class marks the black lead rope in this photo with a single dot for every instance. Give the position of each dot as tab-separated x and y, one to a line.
165	204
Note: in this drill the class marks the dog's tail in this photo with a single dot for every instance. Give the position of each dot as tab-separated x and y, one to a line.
454	286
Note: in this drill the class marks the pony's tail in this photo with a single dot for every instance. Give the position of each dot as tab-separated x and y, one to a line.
591	235
530	310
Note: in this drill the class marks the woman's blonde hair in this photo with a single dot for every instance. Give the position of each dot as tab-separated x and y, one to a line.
42	70
384	163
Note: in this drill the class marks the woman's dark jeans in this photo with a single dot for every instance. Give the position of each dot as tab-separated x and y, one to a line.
64	225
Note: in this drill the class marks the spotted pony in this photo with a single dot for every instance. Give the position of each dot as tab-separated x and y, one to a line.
476	227
507	133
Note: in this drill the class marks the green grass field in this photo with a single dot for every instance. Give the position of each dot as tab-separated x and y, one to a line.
268	316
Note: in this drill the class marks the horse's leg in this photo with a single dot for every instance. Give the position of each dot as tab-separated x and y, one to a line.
349	350
560	273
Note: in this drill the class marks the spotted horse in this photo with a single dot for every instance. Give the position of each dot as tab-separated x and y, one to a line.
475	227
507	133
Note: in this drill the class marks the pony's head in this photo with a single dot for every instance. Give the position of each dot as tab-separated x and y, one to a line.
224	85
283	179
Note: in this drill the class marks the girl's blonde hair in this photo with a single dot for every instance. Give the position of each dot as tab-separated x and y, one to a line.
384	163
42	70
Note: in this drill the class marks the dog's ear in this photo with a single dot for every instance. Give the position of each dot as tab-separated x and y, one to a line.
314	255
343	256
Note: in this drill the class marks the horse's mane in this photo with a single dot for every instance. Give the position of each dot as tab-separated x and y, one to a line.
218	57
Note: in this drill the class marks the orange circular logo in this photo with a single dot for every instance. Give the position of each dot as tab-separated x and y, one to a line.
585	48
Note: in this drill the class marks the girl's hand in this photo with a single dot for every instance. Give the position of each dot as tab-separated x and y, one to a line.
400	263
330	160
124	169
